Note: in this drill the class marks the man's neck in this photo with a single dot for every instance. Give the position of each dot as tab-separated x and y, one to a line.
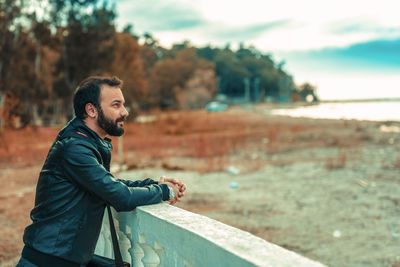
94	126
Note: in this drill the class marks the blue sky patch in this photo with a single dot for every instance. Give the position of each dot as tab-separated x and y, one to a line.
376	55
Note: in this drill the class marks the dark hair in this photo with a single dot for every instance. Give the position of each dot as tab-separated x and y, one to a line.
88	91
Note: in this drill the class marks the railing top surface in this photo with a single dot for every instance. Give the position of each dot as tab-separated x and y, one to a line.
241	243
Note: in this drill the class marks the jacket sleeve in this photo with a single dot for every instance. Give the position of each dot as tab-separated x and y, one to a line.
137	183
82	167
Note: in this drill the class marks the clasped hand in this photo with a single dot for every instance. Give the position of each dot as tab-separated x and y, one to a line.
176	185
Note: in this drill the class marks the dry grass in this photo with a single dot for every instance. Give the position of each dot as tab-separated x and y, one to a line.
217	140
16	201
28	146
211	137
338	162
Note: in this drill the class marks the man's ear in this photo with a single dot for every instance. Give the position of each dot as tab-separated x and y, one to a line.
91	110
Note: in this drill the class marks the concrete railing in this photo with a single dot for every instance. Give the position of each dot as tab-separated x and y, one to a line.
163	235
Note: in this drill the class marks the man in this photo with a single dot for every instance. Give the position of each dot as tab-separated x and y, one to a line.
75	183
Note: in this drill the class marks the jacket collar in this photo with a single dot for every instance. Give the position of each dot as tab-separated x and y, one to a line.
78	127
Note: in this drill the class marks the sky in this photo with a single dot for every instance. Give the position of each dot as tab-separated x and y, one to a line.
348	49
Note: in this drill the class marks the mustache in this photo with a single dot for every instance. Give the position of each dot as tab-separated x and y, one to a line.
121	119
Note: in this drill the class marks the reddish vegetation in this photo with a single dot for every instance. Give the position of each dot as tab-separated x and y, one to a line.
217	140
215	137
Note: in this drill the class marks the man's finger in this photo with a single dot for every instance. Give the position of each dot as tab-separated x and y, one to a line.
175	181
172	202
182	188
170	180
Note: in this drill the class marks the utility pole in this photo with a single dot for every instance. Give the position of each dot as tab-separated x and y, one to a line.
120	152
2	100
257	89
246	82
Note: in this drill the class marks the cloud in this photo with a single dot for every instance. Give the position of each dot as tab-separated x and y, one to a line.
154	15
350	27
229	33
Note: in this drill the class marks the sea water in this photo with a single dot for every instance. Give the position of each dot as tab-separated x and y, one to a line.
369	111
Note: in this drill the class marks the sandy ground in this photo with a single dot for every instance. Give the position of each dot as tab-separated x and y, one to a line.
342	217
328	190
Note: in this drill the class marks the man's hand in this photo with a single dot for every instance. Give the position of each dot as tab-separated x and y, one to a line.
174	187
178	187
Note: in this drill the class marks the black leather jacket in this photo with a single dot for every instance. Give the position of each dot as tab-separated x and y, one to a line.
73	188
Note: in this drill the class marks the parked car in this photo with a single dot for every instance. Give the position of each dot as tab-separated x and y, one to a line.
215	106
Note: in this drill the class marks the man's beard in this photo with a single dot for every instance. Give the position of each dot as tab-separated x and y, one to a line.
110	127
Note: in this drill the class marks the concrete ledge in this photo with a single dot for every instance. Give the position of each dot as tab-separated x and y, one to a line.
164	235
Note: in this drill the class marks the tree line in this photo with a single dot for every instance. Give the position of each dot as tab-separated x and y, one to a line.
48	47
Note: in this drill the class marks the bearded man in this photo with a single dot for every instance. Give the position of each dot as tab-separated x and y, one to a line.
75	183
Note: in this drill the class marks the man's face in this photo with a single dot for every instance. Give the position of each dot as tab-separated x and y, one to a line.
112	112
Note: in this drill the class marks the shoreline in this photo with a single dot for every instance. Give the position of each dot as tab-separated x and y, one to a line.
361	100
370	111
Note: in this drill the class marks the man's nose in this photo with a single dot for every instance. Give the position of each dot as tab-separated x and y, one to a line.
124	112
